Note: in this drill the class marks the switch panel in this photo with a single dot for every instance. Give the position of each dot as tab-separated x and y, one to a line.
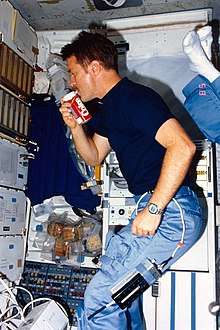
59	282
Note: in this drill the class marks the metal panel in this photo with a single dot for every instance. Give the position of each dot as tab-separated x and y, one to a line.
14	115
15	73
12	212
12	256
13	165
69	14
182	302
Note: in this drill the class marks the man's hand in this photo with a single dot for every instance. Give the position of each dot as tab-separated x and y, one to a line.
67	114
145	223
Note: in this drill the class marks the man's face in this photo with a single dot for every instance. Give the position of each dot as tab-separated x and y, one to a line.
81	80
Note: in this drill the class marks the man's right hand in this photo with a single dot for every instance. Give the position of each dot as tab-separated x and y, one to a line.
67	115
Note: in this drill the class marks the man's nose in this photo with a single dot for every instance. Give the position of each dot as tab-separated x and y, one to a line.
72	81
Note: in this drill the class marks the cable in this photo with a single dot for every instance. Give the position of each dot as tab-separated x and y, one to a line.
44	299
9	291
6	296
7	326
13	316
142	196
184	227
17	287
33	301
9	295
100	309
180	243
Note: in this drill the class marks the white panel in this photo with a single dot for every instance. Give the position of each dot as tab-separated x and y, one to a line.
120	210
153	21
6	22
148	35
152	35
202	255
13	165
20	36
12	256
12	212
52	42
25	38
182	303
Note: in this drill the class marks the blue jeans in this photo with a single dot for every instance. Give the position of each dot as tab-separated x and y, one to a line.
203	104
181	221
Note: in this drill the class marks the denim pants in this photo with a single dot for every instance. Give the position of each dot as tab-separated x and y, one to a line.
203	104
180	222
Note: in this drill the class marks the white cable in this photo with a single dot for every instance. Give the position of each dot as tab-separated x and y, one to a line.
183	225
61	307
6	326
17	287
13	316
44	299
182	220
6	310
9	291
5	294
138	202
35	300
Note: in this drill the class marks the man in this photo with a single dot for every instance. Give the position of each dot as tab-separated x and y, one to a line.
154	155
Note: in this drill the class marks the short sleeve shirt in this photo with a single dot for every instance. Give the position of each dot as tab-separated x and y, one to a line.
130	116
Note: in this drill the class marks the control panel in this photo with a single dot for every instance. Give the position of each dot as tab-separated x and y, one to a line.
118	211
62	283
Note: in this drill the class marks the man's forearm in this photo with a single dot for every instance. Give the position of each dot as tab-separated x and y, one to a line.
85	146
174	169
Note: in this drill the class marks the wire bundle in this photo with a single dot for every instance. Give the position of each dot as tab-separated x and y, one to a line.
13	314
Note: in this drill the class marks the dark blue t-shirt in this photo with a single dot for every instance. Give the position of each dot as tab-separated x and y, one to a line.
130	116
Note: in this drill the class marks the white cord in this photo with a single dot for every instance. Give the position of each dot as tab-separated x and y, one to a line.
17	287
182	220
33	301
44	299
184	227
9	291
5	294
138	202
13	316
63	309
6	326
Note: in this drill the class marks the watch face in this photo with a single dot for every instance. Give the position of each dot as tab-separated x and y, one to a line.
153	208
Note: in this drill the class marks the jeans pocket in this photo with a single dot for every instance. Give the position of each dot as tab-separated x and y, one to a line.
117	250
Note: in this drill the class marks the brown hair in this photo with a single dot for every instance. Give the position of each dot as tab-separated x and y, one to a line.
87	47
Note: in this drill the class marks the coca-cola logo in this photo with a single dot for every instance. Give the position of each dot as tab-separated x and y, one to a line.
84	112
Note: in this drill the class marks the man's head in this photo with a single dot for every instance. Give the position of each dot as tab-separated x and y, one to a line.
87	47
92	63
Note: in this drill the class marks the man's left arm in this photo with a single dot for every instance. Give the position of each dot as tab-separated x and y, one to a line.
178	156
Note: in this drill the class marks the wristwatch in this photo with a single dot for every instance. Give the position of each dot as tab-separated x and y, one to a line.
154	209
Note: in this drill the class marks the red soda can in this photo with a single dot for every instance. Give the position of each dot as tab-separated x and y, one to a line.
78	109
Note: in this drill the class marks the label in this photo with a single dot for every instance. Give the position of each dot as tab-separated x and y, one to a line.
78	109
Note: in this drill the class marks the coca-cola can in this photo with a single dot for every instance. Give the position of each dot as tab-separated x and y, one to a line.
78	108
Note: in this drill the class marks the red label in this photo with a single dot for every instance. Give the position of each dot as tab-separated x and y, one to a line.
80	109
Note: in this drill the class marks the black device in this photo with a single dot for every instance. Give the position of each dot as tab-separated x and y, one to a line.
135	283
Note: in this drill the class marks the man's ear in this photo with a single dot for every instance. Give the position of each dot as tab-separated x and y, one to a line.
95	67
